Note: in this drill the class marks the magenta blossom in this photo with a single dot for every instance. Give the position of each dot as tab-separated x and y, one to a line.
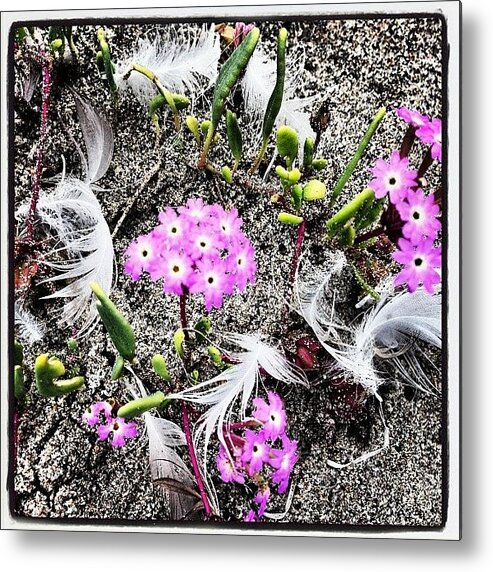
421	262
262	498
272	415
431	134
199	249
412	117
255	451
419	212
227	469
93	415
241	31
393	178
284	460
250	516
119	429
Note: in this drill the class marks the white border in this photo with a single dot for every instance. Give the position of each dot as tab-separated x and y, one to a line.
451	12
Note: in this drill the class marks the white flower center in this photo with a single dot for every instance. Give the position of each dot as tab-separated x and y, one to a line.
393	180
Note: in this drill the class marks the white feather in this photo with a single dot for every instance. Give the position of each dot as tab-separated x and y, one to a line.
257	86
167	465
177	62
221	392
73	215
388	331
29	329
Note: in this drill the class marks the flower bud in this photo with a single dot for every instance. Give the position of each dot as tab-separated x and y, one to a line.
287	143
288	218
160	367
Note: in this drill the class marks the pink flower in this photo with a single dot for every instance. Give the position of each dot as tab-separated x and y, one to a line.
213	281
140	255
198	248
177	271
431	134
412	117
242	263
227	470
93	415
284	460
419	212
420	261
262	498
173	228
250	516
119	429
241	30
255	451
393	178
272	415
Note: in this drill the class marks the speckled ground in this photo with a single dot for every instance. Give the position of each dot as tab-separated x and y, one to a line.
356	66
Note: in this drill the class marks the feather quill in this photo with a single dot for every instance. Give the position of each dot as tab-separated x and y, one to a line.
179	63
239	381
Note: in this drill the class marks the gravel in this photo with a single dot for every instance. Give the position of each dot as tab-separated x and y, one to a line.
355	66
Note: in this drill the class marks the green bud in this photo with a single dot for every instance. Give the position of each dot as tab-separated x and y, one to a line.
72	345
178	339
194	377
193	127
137	407
282	173
347	236
288	218
160	367
234	137
227	175
181	101
47	370
56	45
117	370
297	196
119	330
294	176
18	353
215	355
204	126
202	328
19	385
216	138
308	153
314	190
287	143
319	164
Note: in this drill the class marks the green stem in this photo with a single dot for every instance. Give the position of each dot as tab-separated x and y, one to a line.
168	96
364	284
357	156
349	211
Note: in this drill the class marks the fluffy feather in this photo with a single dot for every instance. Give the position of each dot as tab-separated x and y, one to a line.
29	329
221	392
73	215
257	86
168	469
388	331
177	62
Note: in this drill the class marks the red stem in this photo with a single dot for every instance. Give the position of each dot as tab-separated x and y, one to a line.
40	153
370	234
186	423
193	459
183	315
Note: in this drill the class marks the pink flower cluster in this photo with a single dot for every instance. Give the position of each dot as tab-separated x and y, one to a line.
101	414
264	453
198	248
428	130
